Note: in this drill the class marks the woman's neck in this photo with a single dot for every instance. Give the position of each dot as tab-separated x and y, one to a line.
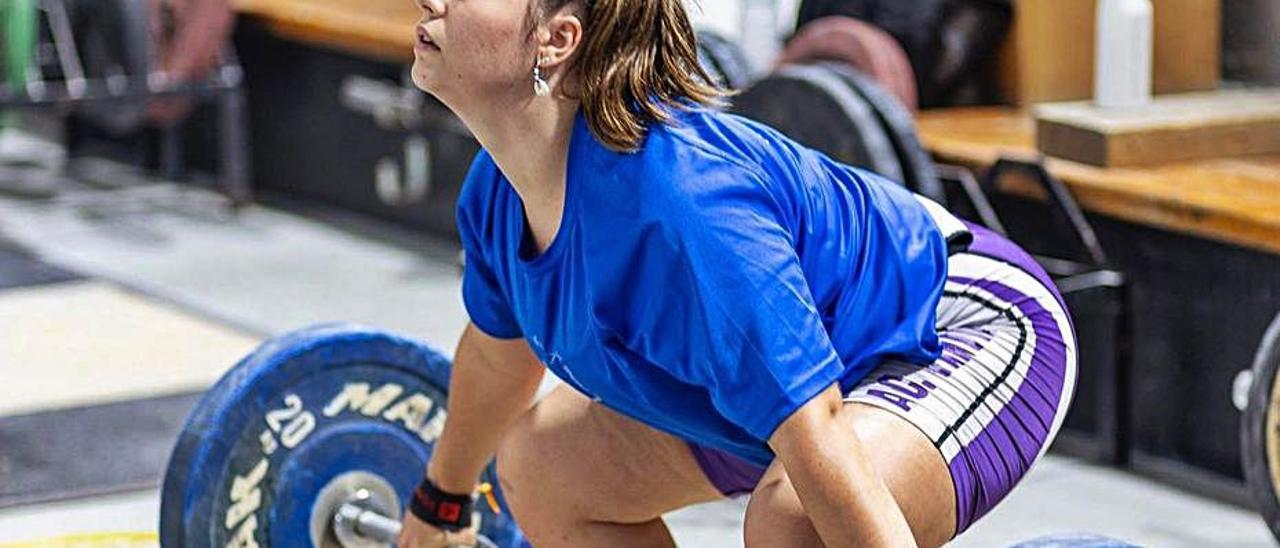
529	141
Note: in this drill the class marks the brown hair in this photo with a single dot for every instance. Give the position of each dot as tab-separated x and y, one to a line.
637	57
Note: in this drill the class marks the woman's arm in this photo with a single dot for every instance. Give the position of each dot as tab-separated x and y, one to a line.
840	489
493	382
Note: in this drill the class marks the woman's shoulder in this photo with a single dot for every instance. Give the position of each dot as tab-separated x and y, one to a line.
717	136
673	172
675	184
694	143
481	191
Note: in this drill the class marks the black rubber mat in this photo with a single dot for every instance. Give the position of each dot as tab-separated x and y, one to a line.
18	269
73	453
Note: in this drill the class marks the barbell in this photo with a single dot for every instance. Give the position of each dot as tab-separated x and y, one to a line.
320	436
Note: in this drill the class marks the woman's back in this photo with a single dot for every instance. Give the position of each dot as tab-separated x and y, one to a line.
720	252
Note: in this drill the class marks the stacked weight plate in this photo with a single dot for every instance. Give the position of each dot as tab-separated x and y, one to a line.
1260	429
846	89
723	60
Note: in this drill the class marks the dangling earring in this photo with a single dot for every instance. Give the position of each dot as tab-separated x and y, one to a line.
540	87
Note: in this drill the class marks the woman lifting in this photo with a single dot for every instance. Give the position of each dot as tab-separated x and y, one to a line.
731	312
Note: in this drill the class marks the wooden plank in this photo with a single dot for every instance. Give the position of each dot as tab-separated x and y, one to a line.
1187	54
1172	128
1049	53
1235	200
382	29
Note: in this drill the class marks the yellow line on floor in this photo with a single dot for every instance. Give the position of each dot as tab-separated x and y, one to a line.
91	540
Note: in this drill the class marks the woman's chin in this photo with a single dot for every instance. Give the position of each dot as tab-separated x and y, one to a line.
423	79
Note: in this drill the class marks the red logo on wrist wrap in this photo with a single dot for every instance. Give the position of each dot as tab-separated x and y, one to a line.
445	511
449	511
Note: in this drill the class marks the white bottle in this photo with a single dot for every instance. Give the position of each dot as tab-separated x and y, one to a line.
1122	62
759	38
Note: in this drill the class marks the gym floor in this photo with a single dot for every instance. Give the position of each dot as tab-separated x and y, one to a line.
149	292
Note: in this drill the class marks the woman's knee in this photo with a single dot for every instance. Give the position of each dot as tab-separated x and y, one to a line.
539	462
775	516
527	481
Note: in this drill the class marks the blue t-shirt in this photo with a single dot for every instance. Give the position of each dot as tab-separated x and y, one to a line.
712	282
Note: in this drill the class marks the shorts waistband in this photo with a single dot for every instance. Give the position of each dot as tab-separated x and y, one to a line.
954	230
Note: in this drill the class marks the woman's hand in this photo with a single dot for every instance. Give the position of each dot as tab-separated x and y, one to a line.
418	534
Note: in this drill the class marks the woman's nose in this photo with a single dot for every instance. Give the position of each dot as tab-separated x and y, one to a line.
433	8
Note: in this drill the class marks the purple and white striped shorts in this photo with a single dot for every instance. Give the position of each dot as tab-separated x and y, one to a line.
995	399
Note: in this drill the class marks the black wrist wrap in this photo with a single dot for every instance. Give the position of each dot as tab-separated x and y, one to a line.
440	509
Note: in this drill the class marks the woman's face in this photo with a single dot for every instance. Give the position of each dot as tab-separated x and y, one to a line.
473	49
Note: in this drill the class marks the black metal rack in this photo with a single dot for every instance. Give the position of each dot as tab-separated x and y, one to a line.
1097	427
71	87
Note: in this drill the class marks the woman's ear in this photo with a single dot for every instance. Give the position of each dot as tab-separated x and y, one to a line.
560	37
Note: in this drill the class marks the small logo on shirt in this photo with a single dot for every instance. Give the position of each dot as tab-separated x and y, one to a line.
556	363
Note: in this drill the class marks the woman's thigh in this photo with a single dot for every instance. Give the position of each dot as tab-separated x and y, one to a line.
570	461
994	401
983	413
906	460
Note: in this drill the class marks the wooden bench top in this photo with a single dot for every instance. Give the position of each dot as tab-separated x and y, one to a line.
1234	199
379	28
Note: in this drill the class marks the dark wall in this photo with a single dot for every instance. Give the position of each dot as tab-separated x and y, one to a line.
308	144
1251	41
